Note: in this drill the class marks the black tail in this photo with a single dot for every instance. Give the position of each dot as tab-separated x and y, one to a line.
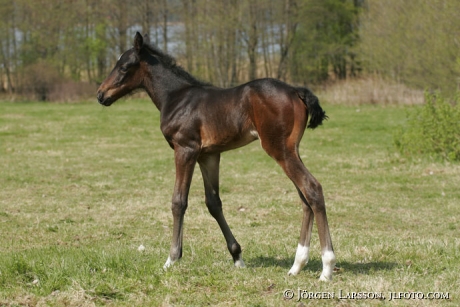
317	114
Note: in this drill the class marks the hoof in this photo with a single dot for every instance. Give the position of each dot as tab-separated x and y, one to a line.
294	271
168	264
240	263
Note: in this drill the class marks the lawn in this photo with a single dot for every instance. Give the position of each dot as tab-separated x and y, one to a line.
82	187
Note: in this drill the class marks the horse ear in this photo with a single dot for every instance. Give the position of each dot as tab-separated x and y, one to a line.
146	38
138	41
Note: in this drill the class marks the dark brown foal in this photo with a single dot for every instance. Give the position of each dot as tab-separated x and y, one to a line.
200	121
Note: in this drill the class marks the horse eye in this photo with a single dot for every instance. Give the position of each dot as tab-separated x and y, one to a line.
123	69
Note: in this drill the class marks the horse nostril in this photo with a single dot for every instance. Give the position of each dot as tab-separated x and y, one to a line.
100	96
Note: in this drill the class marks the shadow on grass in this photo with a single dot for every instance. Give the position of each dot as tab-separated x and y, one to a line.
316	265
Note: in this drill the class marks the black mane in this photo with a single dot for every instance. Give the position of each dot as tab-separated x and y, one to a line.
170	63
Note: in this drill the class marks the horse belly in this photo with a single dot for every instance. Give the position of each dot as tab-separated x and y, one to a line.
213	141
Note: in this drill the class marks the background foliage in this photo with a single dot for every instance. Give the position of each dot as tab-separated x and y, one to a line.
230	42
413	42
432	129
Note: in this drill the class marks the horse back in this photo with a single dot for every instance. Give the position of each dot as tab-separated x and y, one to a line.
223	119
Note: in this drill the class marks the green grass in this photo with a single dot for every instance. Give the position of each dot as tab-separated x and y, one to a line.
81	187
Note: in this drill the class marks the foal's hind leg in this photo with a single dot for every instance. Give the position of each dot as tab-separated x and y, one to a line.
285	152
209	165
311	193
303	248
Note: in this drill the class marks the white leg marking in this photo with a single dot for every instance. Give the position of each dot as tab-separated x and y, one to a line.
168	263
240	263
301	259
328	258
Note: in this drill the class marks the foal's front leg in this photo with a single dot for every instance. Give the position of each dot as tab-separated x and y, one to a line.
209	165
185	159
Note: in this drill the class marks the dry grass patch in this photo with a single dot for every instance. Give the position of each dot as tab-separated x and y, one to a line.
370	90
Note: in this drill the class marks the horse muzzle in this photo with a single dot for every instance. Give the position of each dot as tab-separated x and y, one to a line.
103	100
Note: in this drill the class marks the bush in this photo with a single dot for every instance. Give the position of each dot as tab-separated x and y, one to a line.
42	82
432	129
72	91
39	80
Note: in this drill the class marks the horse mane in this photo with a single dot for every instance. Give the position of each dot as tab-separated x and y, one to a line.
170	63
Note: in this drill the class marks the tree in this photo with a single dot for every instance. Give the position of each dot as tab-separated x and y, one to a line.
287	26
8	45
250	33
413	42
326	39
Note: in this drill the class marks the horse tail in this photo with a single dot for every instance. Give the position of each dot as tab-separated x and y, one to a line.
317	114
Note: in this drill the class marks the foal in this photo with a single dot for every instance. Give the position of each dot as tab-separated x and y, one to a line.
200	121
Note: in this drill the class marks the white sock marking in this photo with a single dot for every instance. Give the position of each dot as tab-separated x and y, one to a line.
301	259
328	258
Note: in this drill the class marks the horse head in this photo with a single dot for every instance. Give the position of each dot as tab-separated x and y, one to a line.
127	75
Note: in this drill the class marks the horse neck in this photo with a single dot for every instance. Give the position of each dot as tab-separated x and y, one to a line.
161	83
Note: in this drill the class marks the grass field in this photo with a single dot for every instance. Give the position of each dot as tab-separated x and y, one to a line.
82	187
